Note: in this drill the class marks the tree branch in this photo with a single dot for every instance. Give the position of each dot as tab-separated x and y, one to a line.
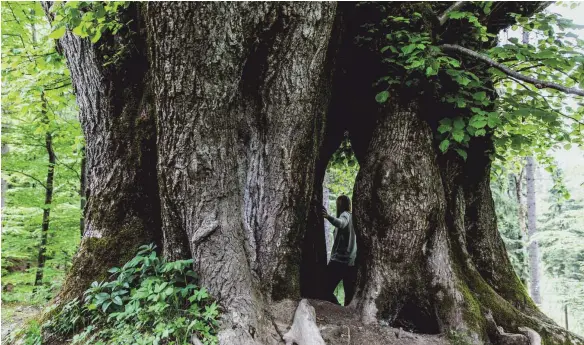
58	87
69	167
538	83
27	175
546	101
456	6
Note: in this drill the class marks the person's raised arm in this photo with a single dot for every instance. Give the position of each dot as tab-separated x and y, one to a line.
340	222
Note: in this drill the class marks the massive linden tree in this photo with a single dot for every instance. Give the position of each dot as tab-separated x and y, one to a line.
209	126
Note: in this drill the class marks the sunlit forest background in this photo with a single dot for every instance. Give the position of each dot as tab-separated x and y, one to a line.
42	177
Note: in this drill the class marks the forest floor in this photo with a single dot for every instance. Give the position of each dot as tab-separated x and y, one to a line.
340	325
15	315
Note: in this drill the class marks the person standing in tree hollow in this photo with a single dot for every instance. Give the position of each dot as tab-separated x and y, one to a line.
344	251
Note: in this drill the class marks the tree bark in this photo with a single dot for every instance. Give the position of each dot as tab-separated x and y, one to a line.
521	212
400	166
533	247
82	187
566	315
240	103
116	114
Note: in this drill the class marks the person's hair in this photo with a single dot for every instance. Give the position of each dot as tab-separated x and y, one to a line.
343	204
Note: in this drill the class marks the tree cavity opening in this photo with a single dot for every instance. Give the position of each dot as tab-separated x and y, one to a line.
413	318
339	179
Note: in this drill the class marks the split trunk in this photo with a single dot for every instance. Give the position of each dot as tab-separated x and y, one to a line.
209	135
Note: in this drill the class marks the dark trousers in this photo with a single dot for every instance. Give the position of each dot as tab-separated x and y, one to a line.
335	272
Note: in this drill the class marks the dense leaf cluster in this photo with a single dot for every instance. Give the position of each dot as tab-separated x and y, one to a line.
471	73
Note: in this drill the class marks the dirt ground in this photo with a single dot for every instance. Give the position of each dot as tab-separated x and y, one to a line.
341	326
14	316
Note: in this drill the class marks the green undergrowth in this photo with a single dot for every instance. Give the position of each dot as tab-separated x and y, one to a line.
458	338
146	301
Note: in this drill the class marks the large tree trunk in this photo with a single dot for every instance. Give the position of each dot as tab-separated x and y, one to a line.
122	210
211	136
408	272
241	93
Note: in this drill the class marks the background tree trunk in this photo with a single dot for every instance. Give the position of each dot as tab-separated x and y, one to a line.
5	149
38	281
533	247
521	213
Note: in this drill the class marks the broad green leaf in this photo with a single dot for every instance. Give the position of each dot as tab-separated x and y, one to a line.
444	144
382	96
458	135
462	153
479	96
96	37
58	32
459	123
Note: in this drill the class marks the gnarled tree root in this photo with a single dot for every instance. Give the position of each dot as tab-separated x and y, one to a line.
528	336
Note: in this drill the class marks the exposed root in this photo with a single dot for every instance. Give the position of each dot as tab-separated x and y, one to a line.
534	337
500	337
304	330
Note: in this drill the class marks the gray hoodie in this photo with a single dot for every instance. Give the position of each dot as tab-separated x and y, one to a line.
345	244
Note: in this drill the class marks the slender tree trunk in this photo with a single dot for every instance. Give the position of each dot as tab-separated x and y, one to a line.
533	247
48	197
5	149
521	212
327	234
566	315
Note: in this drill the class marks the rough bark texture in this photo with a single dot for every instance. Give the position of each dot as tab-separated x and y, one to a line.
240	103
407	278
82	187
532	247
485	245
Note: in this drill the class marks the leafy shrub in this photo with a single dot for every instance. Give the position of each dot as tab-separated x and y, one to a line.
147	301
